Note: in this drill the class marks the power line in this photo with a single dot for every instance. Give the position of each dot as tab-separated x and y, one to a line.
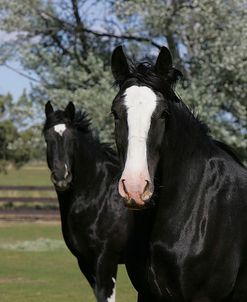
21	73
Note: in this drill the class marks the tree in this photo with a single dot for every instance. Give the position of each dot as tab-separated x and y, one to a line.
67	46
15	145
69	63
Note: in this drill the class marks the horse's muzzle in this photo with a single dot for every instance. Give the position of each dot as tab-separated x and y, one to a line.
132	205
136	194
61	184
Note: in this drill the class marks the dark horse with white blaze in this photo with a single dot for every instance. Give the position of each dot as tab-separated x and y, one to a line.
192	245
95	225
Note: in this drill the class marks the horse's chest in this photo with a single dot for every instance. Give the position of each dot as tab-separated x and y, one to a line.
81	231
179	270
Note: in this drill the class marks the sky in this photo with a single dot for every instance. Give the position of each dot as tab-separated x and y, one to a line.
12	82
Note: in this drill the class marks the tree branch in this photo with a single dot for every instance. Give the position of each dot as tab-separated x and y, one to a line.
51	32
80	27
71	27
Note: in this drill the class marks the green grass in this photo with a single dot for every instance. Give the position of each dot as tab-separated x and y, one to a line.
27	175
36	266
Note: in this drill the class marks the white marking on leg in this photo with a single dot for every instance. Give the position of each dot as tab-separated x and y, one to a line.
140	102
60	128
112	298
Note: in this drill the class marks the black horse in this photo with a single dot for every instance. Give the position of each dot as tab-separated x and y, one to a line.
192	245
95	225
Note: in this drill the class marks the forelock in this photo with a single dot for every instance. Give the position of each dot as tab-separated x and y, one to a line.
143	74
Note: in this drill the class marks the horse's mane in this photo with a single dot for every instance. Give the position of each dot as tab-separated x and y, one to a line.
82	122
229	151
190	118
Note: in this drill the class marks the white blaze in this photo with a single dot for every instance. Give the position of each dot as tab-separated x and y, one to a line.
60	128
113	295
140	102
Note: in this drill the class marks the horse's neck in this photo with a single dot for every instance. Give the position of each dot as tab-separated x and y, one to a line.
186	145
89	165
90	177
64	199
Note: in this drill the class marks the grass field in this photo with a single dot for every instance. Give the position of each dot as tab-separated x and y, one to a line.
36	266
28	175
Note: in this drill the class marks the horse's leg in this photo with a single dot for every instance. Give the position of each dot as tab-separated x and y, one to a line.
87	273
106	272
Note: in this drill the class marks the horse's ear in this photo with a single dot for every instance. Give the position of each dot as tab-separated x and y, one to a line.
48	108
164	62
119	64
164	66
70	111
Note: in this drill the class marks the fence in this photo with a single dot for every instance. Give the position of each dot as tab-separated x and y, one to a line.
26	199
25	207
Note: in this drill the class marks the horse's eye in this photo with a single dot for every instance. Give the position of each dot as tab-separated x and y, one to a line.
114	113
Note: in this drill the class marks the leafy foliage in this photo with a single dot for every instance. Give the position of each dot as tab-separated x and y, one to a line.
17	144
66	45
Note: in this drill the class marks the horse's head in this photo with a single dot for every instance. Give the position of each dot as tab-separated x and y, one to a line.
60	140
141	110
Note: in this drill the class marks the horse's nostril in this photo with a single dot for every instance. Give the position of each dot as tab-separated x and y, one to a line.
53	179
69	177
57	176
124	187
67	174
147	193
146	188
